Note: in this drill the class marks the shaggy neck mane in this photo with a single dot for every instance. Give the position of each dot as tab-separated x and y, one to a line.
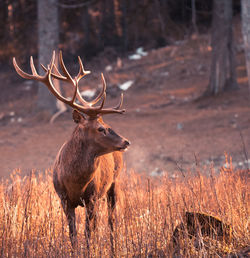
81	147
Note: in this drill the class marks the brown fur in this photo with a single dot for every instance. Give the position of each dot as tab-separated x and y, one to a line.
86	169
87	166
208	226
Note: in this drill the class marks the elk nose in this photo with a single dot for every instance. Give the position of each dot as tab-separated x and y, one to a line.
127	143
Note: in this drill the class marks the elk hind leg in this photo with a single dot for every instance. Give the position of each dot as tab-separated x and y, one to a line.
90	223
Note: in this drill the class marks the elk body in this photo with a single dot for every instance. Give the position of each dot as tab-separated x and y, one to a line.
88	164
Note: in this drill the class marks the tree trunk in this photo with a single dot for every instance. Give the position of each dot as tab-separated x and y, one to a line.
194	24
124	26
223	73
183	10
86	27
47	42
4	18
159	10
101	34
245	12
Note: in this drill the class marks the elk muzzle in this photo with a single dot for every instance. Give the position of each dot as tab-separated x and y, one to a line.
125	146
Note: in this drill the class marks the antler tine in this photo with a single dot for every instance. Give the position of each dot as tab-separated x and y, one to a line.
103	83
120	103
64	69
103	90
111	111
115	109
103	101
22	73
52	66
52	61
57	74
76	91
80	98
33	69
97	99
81	72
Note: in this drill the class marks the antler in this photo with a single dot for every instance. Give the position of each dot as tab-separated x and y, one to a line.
86	107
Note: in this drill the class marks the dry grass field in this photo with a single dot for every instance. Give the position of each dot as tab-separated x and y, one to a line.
33	223
166	126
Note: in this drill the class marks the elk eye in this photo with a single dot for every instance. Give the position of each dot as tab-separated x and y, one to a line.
102	130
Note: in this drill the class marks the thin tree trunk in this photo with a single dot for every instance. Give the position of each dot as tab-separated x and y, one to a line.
223	74
4	18
86	27
183	10
194	24
245	12
112	36
47	42
124	26
101	34
10	21
117	19
161	19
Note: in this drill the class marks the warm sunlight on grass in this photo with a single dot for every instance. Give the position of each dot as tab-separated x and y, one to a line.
33	224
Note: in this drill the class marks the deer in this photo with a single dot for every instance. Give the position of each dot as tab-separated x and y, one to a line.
87	166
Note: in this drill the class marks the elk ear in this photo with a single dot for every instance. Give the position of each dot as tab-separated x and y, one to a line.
77	117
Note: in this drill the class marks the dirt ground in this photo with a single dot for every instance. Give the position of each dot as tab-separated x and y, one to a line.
163	121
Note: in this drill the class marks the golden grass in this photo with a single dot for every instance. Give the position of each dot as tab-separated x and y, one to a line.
33	224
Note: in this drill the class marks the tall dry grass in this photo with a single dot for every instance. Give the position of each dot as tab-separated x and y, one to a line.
33	224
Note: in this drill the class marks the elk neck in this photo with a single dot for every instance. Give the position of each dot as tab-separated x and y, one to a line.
84	153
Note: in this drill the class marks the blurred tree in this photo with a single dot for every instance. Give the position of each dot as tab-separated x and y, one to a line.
124	25
48	32
86	27
245	7
4	19
160	7
223	72
194	24
89	26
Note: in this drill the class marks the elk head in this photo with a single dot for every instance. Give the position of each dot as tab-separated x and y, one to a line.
95	132
90	126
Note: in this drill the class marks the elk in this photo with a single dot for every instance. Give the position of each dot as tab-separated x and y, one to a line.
88	164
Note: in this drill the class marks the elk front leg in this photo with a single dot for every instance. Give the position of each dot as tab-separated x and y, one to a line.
71	218
112	198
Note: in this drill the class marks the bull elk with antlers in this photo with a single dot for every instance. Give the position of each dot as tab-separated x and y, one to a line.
88	164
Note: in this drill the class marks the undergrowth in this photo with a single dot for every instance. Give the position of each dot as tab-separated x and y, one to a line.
33	224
